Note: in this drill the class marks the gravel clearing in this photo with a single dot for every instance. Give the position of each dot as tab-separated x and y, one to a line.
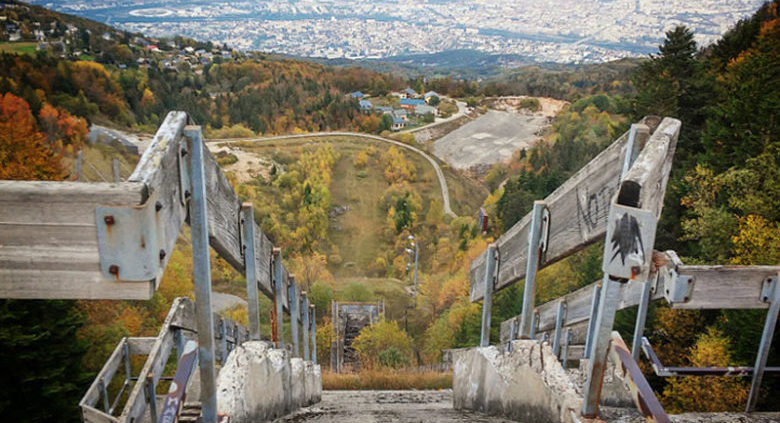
386	406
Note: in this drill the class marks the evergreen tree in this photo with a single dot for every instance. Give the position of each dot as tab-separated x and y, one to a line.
42	379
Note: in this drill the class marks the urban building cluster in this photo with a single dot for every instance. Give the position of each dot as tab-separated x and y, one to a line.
567	31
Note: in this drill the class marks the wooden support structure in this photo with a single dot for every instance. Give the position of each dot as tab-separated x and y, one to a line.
578	216
49	246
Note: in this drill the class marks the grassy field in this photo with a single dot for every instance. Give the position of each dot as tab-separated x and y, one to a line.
358	233
23	47
386	380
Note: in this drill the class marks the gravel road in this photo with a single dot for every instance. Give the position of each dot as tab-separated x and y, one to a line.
386	406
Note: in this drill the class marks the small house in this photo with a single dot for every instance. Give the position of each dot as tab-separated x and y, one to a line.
398	124
423	109
357	95
384	109
366	106
411	103
431	94
409	93
400	113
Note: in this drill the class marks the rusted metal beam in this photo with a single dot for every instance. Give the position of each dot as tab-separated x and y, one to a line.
663	371
641	392
177	391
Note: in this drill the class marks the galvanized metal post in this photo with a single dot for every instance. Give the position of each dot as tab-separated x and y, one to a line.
313	333
610	291
641	318
556	346
151	397
104	394
334	357
178	338
531	266
292	295
416	257
566	342
629	158
594	312
278	290
223	340
79	164
771	293
201	267
534	325
487	301
115	170
250	270
305	325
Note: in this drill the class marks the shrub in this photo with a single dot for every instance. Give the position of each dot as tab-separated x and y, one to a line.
378	338
392	357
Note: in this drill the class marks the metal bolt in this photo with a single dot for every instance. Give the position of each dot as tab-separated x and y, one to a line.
113	269
162	254
158	206
685	300
183	152
109	220
187	194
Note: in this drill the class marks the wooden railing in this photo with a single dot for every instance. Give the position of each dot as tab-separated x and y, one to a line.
101	404
72	240
627	179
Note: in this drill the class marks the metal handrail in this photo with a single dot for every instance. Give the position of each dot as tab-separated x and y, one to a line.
174	333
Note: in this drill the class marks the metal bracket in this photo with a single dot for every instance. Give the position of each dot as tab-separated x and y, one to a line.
677	288
768	288
185	182
130	240
630	239
544	237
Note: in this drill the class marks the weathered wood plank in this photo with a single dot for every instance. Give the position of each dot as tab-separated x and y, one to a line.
578	216
578	304
580	206
650	171
158	170
726	287
93	415
140	345
223	212
713	287
48	240
48	230
263	252
106	373
158	356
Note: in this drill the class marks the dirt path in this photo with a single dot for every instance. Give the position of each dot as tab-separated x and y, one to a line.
386	406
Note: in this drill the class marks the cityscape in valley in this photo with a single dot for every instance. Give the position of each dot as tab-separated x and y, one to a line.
566	31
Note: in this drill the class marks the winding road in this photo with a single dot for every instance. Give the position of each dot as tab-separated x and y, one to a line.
445	192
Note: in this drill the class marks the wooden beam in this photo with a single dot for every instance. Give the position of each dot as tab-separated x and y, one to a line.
578	217
726	287
48	230
712	287
48	240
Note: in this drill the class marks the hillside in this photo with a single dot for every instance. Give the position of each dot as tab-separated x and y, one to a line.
356	215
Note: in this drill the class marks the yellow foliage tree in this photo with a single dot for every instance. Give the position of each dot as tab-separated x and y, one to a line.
757	242
379	337
707	393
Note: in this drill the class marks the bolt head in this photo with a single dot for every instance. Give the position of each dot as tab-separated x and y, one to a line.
158	206
113	269
162	254
109	220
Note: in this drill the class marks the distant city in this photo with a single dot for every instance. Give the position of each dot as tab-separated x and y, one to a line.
563	31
